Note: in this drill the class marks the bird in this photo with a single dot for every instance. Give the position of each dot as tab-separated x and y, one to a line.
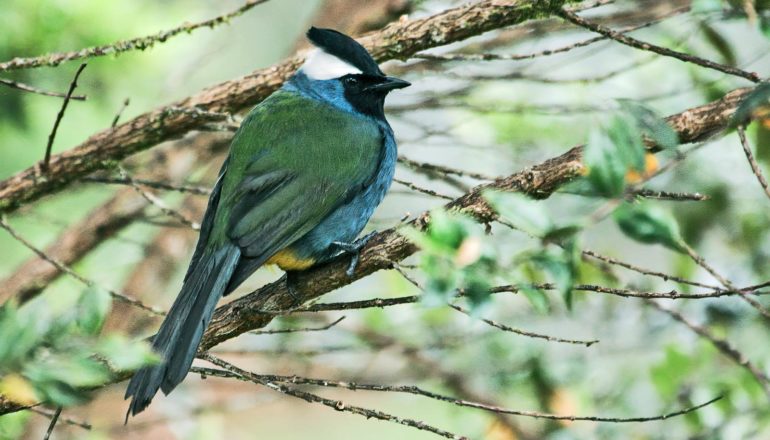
305	171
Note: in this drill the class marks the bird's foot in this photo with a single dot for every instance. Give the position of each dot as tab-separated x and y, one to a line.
354	249
291	287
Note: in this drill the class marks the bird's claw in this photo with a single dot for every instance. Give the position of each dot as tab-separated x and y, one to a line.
354	249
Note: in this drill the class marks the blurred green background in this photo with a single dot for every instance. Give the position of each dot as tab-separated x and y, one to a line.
493	118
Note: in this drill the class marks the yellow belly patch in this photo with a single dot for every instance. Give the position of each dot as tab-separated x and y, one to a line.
288	260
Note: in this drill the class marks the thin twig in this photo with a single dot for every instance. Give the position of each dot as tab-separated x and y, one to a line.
51	425
72	422
721	344
752	162
700	261
66	269
122	108
624	293
154	200
139	43
641	270
28	88
633	42
422	190
411	389
506	328
297	330
542	53
202	190
59	116
443	169
496	324
669	195
335	404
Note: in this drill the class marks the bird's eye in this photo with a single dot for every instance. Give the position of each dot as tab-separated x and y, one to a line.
351	81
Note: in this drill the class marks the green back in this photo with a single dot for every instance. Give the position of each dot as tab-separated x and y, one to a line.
291	163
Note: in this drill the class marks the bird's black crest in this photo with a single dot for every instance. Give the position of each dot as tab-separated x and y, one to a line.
345	48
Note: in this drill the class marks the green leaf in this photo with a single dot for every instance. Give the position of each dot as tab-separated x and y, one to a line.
537	298
444	234
648	223
125	355
78	370
561	233
560	270
18	337
606	168
651	124
14	425
758	97
476	285
670	374
523	212
92	309
627	137
718	42
447	230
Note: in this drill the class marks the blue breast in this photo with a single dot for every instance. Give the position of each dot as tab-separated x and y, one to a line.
349	219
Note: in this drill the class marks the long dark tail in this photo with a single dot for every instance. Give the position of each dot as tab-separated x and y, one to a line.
181	332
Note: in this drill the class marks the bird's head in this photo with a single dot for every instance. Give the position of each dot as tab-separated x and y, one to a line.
341	72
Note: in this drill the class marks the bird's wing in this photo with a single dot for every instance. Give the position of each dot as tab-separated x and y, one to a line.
292	163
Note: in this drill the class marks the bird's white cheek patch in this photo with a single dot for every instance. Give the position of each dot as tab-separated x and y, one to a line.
321	65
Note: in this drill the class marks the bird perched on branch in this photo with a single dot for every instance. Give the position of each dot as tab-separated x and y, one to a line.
305	172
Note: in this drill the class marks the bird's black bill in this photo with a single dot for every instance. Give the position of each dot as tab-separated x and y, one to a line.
387	84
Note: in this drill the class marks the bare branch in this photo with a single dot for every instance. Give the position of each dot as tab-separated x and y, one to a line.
669	195
411	389
397	41
63	268
422	190
160	204
139	43
72	422
641	270
335	404
59	117
721	344
442	169
122	108
528	334
547	52
28	88
752	162
51	426
298	330
193	189
633	42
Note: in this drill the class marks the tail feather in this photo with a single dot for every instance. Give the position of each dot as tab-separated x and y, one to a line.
179	335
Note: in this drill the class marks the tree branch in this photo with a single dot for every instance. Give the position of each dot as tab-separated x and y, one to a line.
258	308
397	41
139	43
